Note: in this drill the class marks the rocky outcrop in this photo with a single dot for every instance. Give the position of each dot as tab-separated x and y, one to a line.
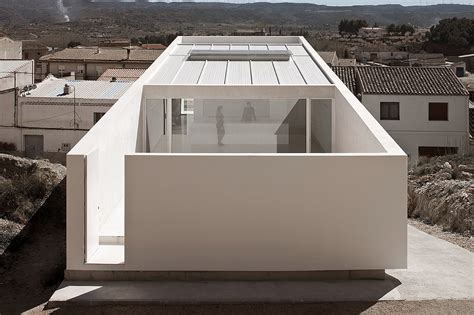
24	186
441	192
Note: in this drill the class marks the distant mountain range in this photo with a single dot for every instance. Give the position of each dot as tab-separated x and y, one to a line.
14	12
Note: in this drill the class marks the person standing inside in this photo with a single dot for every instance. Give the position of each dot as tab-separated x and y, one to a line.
220	125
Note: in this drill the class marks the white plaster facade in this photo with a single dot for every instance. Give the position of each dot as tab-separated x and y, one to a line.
131	209
414	129
10	49
61	120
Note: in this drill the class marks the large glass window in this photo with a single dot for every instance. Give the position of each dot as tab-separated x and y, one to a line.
227	126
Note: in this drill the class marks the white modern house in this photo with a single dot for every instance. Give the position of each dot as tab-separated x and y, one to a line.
48	119
235	157
424	109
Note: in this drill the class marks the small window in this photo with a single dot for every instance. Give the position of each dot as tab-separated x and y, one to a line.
438	111
65	147
389	111
97	117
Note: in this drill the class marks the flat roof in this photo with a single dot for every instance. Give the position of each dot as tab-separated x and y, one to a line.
239	61
53	87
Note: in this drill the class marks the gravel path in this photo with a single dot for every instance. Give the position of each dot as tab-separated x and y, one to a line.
437	231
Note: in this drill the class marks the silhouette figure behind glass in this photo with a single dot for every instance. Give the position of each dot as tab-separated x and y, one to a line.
249	113
220	125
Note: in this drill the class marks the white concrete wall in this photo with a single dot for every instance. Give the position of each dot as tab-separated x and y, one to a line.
24	76
210	212
49	113
414	129
321	125
7	108
53	139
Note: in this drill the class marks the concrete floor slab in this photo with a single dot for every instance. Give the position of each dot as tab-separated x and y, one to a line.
437	270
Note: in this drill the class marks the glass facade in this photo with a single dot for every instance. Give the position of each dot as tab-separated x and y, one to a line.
236	125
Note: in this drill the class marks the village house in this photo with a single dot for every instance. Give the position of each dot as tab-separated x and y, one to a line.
89	63
424	109
261	138
50	119
10	49
15	76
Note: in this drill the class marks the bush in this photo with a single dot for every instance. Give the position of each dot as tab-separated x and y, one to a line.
7	146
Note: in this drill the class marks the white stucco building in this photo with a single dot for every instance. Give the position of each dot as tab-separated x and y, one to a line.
10	49
49	120
234	157
425	110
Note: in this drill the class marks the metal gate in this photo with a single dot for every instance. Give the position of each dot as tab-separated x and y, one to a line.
33	146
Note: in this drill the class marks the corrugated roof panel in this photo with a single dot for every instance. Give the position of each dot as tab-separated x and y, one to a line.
263	73
202	46
239	47
189	72
181	50
220	47
238	72
288	73
277	47
297	50
311	72
52	88
170	68
214	72
258	47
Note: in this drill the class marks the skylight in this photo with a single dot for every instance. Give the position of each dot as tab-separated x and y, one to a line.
239	55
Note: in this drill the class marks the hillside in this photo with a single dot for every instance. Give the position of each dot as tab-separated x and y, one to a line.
14	12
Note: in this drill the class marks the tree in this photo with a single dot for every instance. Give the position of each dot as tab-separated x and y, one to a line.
456	33
73	44
351	27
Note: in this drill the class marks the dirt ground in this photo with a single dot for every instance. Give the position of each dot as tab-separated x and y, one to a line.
466	242
32	268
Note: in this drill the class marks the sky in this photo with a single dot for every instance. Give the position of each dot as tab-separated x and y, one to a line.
330	2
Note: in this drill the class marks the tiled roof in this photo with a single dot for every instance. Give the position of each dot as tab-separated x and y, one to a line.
403	80
106	54
121	74
347	76
53	87
409	81
153	46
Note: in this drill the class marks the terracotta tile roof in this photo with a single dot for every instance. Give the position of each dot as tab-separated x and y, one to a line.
105	54
121	74
403	80
153	46
348	77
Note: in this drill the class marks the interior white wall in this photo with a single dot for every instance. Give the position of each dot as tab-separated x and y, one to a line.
284	219
321	124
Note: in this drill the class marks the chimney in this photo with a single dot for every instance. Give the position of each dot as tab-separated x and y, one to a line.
67	89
